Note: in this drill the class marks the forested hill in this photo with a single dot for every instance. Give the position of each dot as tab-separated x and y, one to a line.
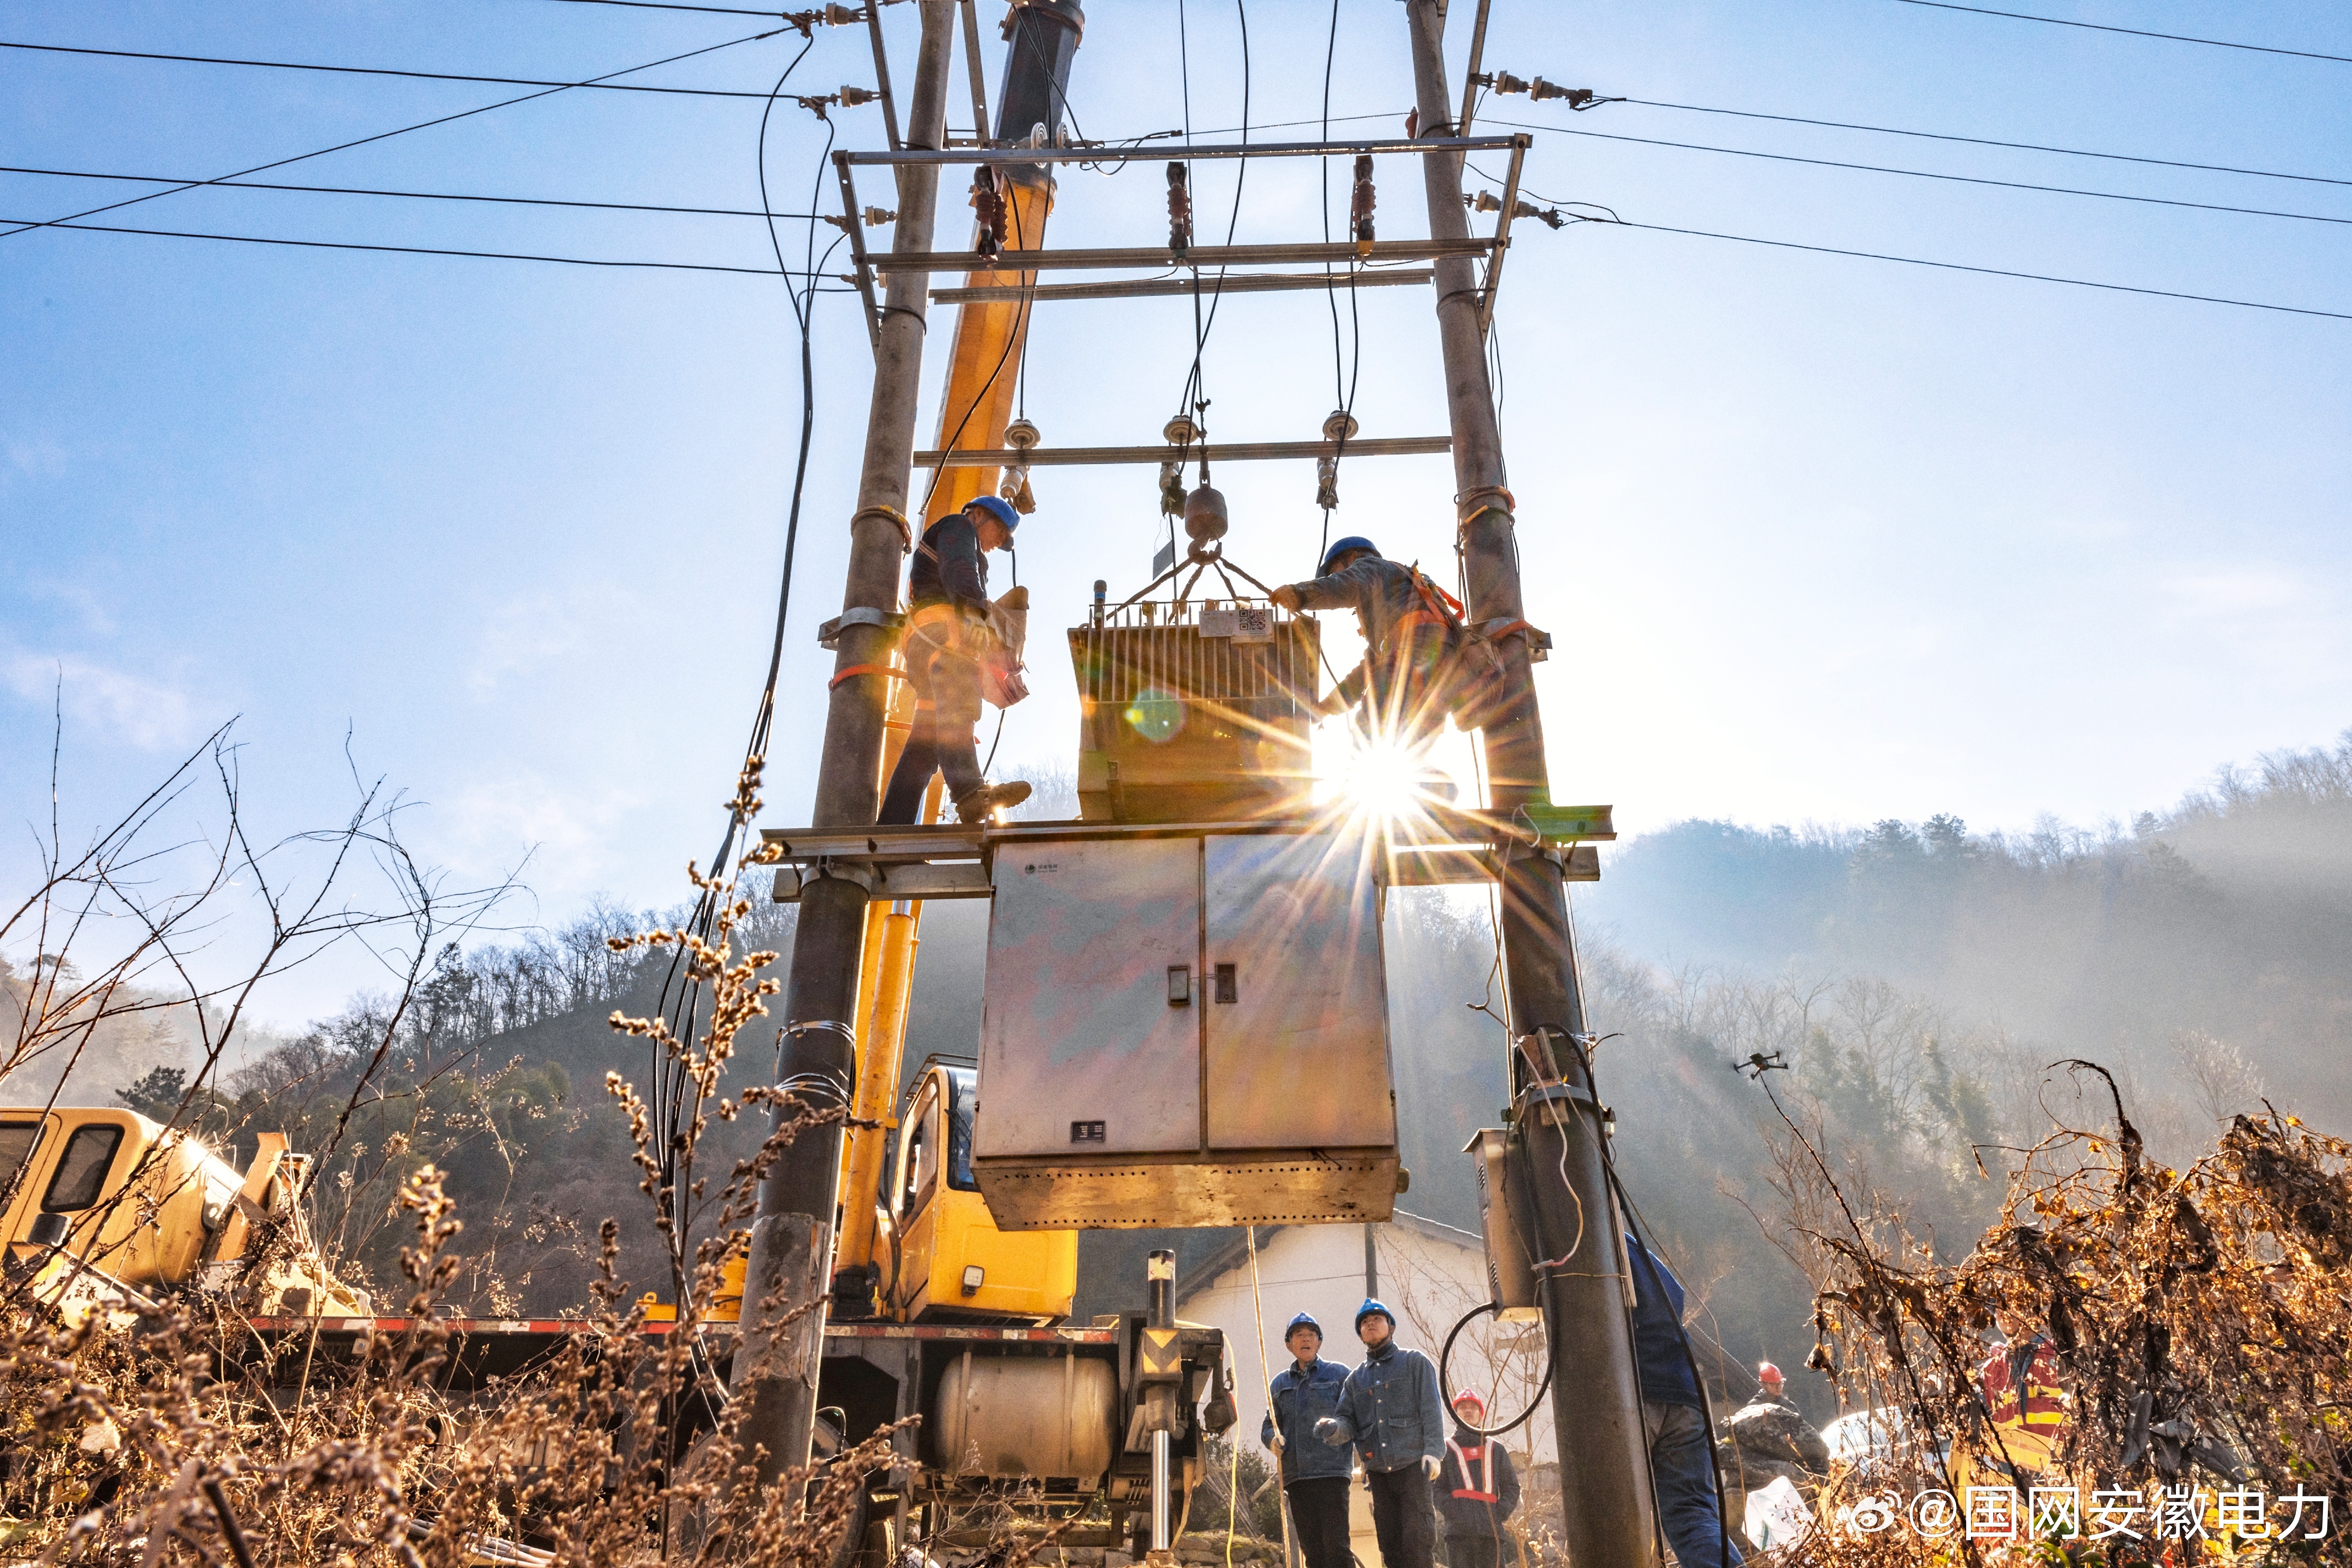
1918	979
2228	916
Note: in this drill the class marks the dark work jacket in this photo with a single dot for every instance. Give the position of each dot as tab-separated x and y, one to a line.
1384	595
1473	1515
1390	1409
1658	1350
1298	1404
950	568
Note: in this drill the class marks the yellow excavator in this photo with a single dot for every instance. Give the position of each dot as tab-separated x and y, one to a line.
104	1208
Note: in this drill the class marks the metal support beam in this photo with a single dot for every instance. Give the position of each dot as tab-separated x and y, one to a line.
783	1347
1199	256
1596	1394
1144	287
973	69
882	79
1223	452
1185	151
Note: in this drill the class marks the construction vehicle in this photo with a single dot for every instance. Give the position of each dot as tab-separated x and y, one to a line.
103	1209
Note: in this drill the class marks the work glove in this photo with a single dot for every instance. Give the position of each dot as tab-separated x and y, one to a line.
1275	1442
1334	1436
1429	1467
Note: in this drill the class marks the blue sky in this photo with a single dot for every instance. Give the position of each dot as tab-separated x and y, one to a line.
1818	539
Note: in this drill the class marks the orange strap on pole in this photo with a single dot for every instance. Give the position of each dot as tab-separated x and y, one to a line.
855	670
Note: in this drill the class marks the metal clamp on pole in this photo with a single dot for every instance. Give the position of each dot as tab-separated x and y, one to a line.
829	636
862	872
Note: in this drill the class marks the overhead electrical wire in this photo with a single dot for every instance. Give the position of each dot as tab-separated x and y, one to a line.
395	249
675	6
1929	174
408	195
402	131
1191	400
1343	382
389	71
1986	271
2131	32
1612	220
1982	141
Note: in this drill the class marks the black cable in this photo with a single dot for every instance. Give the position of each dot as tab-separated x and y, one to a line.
670	1077
411	195
386	135
1344	386
1193	385
384	70
393	249
2134	32
1928	175
1986	271
673	5
1445	1388
1988	142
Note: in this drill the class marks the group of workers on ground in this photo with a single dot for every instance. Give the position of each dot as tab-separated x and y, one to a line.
948	637
1387	1414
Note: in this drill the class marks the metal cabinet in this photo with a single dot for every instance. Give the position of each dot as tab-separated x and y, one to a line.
1185	1028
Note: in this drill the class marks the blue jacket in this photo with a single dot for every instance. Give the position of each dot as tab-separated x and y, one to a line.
1664	1365
1390	1410
1298	1404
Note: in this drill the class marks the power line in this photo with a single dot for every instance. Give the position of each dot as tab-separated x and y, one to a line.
384	70
1986	271
402	131
2133	32
672	5
1926	174
1988	142
398	249
411	195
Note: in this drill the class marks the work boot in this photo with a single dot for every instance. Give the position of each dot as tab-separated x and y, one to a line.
990	798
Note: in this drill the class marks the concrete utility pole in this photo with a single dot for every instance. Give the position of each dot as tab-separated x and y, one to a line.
778	1360
1596	1393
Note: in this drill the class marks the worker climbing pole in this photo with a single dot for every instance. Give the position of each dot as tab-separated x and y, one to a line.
1596	1393
788	1275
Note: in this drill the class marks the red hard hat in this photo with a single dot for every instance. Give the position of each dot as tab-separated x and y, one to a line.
1768	1372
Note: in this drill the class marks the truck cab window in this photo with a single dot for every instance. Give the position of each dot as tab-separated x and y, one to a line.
17	1141
922	1163
81	1169
966	1087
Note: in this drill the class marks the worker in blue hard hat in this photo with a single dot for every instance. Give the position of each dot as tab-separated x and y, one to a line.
1406	621
1314	1475
1390	1410
948	635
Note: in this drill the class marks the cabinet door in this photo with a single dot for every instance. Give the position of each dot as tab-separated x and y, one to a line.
1296	1000
1083	1049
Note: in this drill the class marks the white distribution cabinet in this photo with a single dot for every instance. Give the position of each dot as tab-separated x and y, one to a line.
1185	1029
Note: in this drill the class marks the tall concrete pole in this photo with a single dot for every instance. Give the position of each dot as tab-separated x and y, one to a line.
1596	1393
783	1344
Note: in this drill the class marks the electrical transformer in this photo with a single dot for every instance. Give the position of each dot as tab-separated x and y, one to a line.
1185	1028
1193	711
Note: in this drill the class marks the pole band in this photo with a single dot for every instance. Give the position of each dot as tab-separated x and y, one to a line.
893	516
855	670
1468	505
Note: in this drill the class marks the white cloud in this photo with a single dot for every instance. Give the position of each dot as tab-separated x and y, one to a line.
147	714
534	632
2229	593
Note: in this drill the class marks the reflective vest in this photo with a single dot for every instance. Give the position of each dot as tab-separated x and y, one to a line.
1483	1456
